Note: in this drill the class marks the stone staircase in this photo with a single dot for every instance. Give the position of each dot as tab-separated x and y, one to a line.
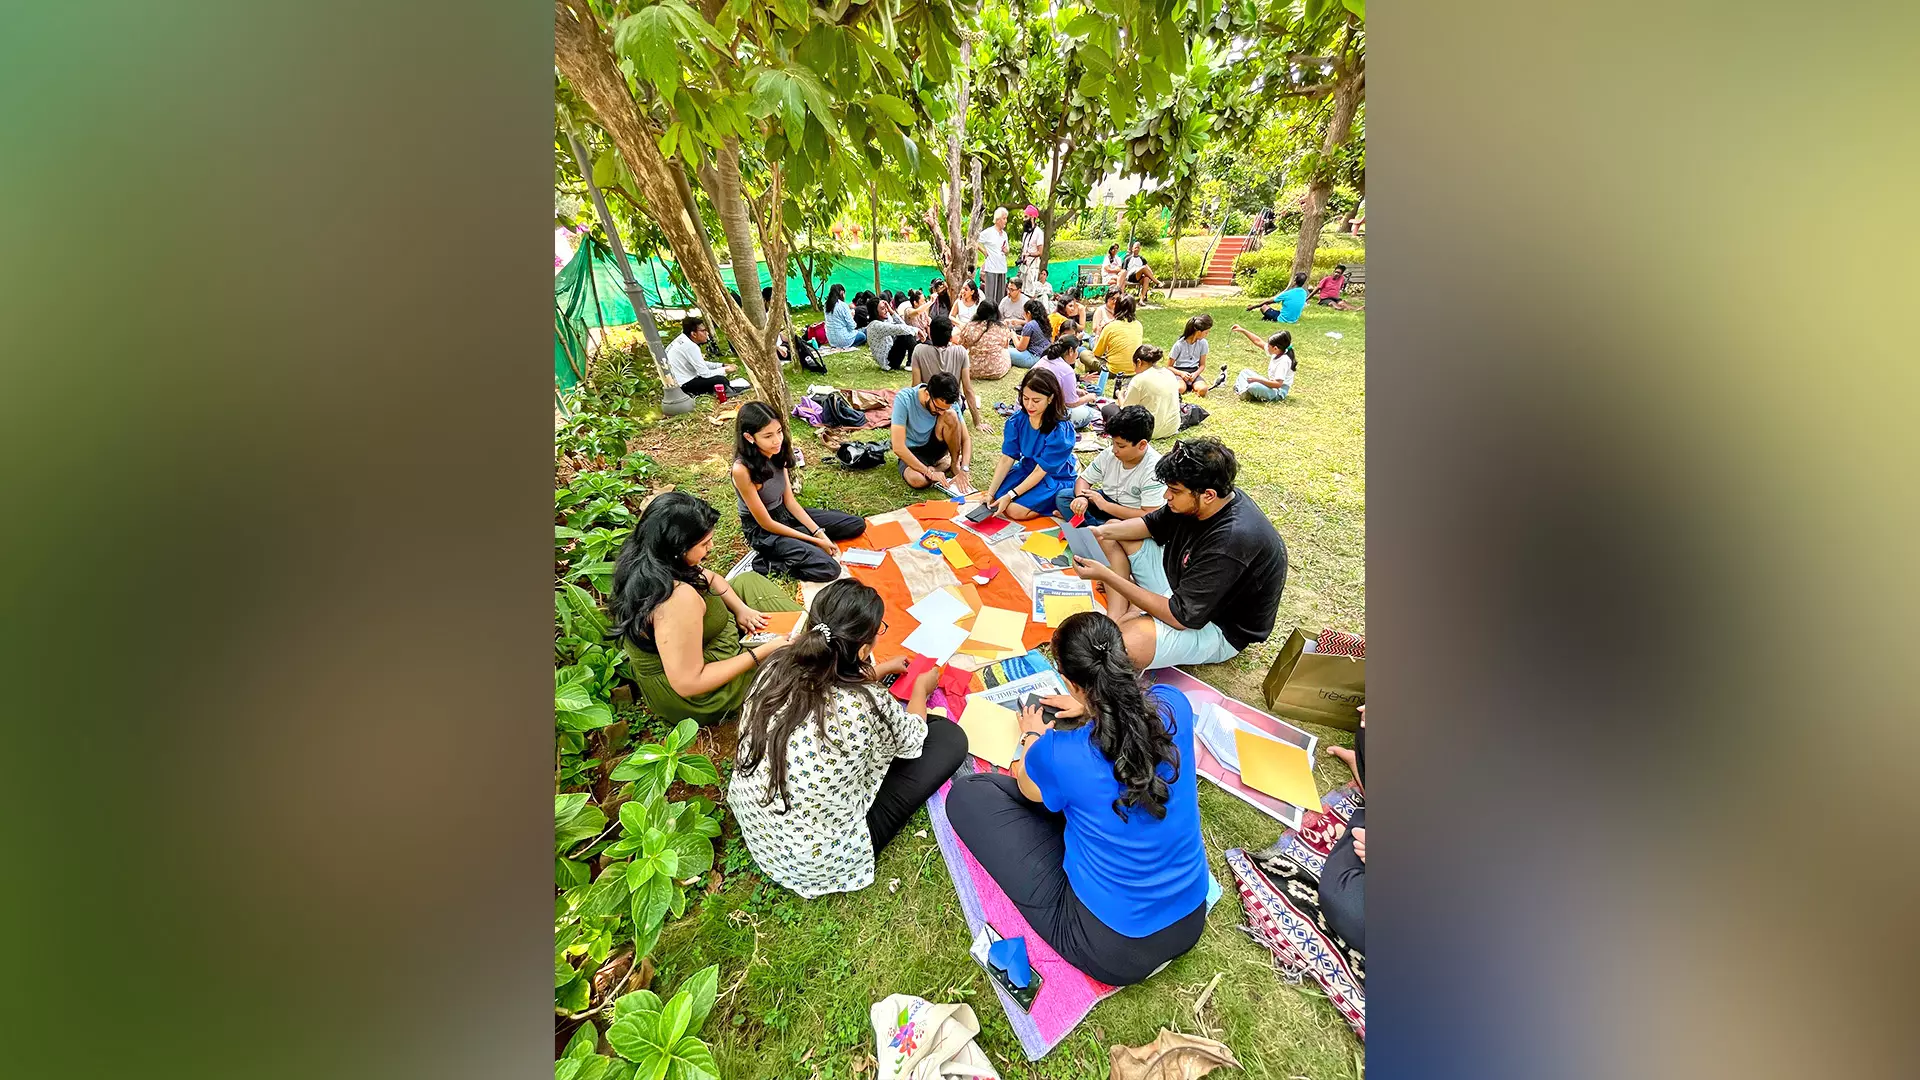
1220	265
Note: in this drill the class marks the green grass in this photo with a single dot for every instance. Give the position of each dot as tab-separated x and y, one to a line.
797	977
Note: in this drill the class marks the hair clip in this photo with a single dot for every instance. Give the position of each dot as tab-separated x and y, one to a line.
825	632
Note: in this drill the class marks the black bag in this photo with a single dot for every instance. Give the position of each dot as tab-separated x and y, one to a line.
861	455
810	357
837	411
1191	414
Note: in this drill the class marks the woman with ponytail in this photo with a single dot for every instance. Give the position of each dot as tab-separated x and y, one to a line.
1095	836
681	623
830	767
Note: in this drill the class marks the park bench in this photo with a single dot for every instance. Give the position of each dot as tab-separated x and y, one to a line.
1357	275
1090	282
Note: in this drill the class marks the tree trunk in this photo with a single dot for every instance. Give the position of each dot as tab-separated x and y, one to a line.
584	55
1348	86
873	218
1360	193
1056	159
954	266
973	219
722	183
806	269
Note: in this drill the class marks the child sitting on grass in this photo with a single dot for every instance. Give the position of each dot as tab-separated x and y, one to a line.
1188	358
1281	364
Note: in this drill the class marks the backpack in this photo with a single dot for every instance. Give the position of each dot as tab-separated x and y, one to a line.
836	411
1191	414
861	455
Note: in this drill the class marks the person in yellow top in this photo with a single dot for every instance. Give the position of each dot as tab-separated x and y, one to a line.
1117	341
1154	388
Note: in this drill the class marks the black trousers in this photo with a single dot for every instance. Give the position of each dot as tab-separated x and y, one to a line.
1022	846
911	781
1343	881
703	385
784	554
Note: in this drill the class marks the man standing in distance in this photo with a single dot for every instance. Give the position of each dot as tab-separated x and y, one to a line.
1206	580
993	251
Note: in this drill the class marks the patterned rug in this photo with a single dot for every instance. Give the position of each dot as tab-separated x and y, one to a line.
1280	890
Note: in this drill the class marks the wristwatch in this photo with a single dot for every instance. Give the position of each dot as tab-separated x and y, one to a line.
1021	750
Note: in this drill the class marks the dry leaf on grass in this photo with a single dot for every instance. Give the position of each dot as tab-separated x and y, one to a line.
1171	1056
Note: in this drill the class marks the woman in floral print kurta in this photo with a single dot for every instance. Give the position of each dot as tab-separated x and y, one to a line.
830	766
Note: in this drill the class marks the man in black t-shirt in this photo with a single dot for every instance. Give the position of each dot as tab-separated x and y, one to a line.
1206	580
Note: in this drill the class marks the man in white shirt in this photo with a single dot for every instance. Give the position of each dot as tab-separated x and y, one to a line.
1137	272
687	366
992	246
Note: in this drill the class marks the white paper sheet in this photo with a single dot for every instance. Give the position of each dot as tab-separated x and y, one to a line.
939	606
937	640
862	557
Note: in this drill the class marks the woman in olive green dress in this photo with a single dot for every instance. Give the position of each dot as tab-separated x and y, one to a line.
680	622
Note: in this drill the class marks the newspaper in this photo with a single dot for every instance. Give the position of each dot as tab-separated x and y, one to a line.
1007	695
1045	585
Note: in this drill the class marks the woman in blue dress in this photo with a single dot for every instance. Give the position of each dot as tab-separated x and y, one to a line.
1036	451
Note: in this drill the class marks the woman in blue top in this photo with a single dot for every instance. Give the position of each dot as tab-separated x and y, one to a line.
842	332
1095	836
1036	451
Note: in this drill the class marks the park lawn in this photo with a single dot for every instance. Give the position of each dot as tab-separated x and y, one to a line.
797	977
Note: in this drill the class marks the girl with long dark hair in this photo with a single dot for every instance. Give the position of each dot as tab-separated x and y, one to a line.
1095	836
1033	337
787	537
1036	450
985	338
1277	383
842	331
681	623
830	766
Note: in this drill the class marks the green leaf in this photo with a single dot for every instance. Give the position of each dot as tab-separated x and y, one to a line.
636	1001
650	38
650	904
575	996
569	873
1358	7
639	872
673	1018
693	1061
567	1069
593	1068
584	1042
896	110
633	1037
698	770
694	853
609	891
700	989
683	735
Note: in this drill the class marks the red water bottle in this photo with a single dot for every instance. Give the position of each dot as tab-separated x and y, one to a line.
720	394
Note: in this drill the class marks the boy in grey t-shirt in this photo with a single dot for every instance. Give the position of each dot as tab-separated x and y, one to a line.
1120	481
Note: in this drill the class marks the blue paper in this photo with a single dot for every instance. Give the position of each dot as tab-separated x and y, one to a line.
1010	956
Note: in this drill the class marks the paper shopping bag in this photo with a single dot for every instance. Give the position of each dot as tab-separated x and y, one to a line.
1314	687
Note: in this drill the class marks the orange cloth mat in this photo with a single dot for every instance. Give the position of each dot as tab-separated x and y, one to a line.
1003	591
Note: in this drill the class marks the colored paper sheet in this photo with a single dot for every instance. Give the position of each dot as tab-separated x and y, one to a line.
1045	545
863	557
954	684
903	686
1059	607
1282	770
993	731
937	509
935	640
887	534
955	554
939	606
778	625
999	627
968	593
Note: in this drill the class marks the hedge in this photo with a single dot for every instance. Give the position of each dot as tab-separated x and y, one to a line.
1264	272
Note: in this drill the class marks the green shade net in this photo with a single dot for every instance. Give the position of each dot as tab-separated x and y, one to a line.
594	270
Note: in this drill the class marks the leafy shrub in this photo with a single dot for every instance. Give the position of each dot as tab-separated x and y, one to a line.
653	1039
1264	272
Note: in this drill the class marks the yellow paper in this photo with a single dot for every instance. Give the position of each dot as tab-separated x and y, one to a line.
993	731
1045	545
989	653
1279	769
955	555
1000	627
1059	607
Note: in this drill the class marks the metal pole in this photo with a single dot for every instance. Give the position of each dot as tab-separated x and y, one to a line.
673	400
